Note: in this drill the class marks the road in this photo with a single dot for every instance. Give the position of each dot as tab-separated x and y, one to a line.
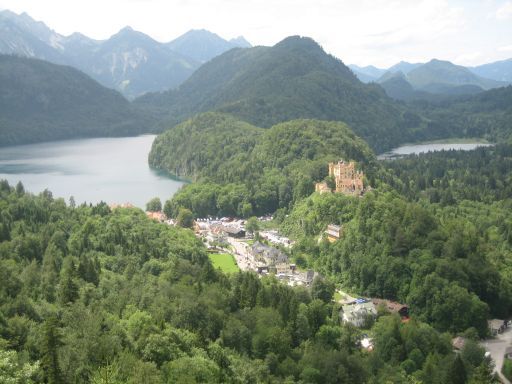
243	257
496	348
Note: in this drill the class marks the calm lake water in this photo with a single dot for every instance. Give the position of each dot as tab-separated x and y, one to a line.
432	147
114	170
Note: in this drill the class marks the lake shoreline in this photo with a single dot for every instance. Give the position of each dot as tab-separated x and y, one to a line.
467	144
111	169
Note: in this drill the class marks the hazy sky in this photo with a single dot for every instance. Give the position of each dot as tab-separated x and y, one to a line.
379	32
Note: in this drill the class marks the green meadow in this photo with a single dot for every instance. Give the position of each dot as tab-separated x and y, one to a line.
224	261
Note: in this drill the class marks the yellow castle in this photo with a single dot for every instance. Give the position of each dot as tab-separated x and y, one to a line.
348	180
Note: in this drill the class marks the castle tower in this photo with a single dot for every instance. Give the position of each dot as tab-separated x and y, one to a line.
348	180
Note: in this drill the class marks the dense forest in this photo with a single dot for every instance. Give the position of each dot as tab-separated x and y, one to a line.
436	234
241	170
452	264
90	295
449	177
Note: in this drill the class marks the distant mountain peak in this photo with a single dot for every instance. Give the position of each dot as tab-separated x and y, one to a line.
438	61
7	13
131	36
240	41
78	36
126	29
199	31
202	45
302	42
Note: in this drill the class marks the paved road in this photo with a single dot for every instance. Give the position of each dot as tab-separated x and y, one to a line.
243	257
497	347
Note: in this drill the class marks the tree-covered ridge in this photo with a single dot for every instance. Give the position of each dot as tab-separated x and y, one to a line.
244	170
90	295
40	101
292	80
206	146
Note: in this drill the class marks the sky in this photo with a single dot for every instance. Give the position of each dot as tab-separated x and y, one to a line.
363	32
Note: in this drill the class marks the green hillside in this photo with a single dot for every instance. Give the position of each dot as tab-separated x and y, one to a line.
293	79
40	101
90	295
260	170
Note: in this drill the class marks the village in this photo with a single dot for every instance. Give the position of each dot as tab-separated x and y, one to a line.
264	252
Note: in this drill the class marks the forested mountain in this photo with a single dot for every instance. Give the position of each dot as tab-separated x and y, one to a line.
244	170
129	61
40	101
202	45
293	79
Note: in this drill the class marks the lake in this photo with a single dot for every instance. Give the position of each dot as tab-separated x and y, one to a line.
114	170
429	147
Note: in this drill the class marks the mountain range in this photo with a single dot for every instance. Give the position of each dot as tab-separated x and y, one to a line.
406	81
262	86
499	70
129	61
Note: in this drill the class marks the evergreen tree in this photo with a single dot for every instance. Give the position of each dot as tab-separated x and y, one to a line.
68	289
50	348
456	372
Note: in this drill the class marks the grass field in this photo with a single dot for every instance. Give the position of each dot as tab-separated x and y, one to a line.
224	261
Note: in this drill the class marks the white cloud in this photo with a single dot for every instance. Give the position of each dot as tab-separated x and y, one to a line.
505	11
467	58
